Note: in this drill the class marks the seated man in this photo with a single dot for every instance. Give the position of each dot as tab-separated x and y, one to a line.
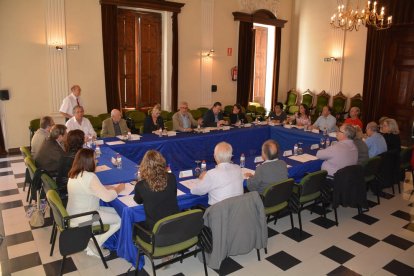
183	120
52	150
353	118
115	125
222	182
375	141
271	171
237	116
326	121
341	154
214	117
41	134
278	116
80	122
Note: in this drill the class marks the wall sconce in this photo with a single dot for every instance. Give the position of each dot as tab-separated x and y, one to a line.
329	59
59	48
210	53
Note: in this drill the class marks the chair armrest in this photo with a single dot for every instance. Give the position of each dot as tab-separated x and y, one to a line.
143	232
95	217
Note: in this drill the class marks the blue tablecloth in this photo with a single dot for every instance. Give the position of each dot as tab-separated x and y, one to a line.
180	152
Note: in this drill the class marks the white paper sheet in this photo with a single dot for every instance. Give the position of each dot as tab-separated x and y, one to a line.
187	173
113	143
287	153
246	170
332	134
315	130
134	137
258	159
190	183
102	168
179	192
171	133
126	191
314	146
303	158
99	142
128	200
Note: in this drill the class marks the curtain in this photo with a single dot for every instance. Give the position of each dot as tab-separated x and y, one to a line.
110	52
276	66
245	63
174	74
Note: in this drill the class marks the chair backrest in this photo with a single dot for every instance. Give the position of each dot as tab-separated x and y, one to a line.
260	110
30	164
292	109
278	193
168	125
178	228
228	109
338	103
34	125
203	110
59	211
196	114
291	98
137	116
25	152
349	189
104	116
251	109
312	182
307	98
165	115
371	167
322	99
356	101
48	183
96	122
405	157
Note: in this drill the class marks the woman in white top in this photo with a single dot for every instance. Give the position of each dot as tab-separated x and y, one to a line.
303	117
84	192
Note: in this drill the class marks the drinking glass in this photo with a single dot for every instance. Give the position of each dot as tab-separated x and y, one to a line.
322	142
300	148
197	170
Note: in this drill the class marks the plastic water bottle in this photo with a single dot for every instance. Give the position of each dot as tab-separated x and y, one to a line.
98	151
203	166
242	161
118	161
295	149
328	142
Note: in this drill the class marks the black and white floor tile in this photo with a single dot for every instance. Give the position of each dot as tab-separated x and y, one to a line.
378	242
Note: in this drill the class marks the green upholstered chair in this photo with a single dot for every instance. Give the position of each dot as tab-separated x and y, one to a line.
276	199
291	99
31	167
261	111
203	110
168	125
33	126
171	235
292	109
356	100
196	113
228	109
307	98
138	118
251	109
73	239
104	116
338	105
96	123
308	193
88	116
371	168
165	115
26	153
322	99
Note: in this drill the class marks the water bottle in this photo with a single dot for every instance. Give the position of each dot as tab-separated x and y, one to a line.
129	135
98	151
118	161
169	168
328	142
203	166
295	149
242	161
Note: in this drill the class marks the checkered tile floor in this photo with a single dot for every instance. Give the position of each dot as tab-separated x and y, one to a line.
379	242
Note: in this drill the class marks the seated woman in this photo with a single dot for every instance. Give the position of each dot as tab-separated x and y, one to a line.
74	142
237	115
278	116
157	189
354	117
391	134
84	192
302	117
154	122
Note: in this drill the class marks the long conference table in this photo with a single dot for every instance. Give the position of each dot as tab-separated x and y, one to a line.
181	152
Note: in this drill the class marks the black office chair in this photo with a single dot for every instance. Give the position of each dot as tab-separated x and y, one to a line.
371	168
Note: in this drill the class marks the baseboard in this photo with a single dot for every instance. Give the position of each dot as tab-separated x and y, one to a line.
14	151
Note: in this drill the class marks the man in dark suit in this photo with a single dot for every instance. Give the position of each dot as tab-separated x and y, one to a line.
115	125
271	171
214	117
49	155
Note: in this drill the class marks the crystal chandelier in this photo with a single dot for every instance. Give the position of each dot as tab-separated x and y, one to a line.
350	19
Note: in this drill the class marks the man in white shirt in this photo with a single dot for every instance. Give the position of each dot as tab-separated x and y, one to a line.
72	100
222	182
41	134
342	154
326	121
79	122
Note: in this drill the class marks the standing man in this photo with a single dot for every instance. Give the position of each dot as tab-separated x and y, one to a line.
41	134
115	125
214	117
72	100
80	122
183	120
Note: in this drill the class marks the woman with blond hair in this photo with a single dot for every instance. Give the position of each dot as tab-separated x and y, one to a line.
391	134
157	189
154	122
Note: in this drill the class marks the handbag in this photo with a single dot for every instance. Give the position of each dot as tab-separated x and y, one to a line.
37	219
206	239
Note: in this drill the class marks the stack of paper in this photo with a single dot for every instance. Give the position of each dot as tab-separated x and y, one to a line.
102	168
190	183
126	191
303	158
113	143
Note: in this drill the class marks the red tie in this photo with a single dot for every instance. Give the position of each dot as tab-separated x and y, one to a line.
77	101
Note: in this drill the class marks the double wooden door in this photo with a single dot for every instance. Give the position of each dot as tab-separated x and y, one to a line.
139	58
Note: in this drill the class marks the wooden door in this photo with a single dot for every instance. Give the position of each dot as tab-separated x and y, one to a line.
139	58
398	89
